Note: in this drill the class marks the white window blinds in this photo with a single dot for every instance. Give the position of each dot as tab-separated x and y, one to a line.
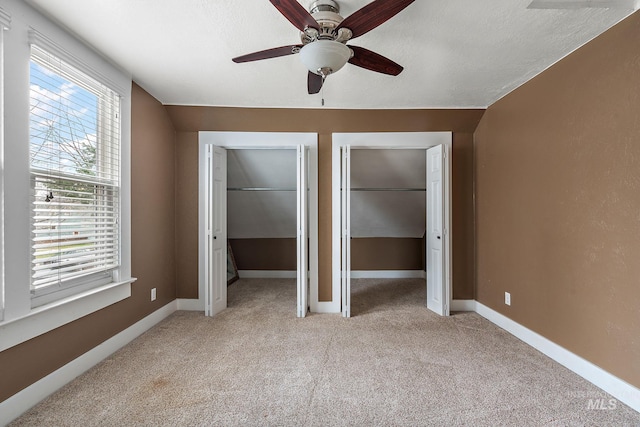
75	173
5	19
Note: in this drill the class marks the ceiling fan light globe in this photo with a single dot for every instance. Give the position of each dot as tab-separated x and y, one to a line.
324	55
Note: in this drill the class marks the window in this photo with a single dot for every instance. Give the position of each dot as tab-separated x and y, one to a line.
5	20
66	133
74	148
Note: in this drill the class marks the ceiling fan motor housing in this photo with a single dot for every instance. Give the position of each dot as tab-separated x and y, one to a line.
327	14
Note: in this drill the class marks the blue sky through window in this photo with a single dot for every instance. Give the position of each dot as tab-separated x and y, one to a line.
63	123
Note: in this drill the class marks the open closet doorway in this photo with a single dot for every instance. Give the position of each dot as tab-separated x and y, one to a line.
234	169
388	214
378	194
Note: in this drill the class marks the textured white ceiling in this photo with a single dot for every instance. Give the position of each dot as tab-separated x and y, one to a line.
456	53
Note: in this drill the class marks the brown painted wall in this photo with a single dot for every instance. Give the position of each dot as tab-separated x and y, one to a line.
189	120
385	253
366	254
187	215
558	202
153	256
265	254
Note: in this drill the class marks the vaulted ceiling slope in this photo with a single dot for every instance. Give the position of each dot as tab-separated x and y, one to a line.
456	53
261	197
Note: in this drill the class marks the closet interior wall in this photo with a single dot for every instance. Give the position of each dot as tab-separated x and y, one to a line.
261	208
388	209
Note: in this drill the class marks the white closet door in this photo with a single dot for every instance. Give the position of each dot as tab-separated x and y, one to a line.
345	177
303	232
437	296
217	277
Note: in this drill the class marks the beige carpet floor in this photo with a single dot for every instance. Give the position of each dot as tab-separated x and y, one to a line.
393	364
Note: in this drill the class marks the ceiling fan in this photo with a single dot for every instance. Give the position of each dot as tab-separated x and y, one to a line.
324	34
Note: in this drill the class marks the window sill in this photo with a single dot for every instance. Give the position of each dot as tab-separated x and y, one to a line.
47	317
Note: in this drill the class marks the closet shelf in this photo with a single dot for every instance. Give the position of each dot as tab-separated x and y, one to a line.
294	189
260	189
388	189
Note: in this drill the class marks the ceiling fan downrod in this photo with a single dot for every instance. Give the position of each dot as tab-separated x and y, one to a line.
324	6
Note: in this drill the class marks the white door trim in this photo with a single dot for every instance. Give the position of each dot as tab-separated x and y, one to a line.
389	140
260	140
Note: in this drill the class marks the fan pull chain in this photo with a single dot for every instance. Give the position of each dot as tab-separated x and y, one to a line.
322	90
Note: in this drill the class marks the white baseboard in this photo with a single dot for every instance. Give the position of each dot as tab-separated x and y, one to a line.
267	274
463	305
621	390
20	402
187	304
387	274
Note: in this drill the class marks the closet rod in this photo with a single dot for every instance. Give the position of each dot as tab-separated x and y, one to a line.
388	189
260	189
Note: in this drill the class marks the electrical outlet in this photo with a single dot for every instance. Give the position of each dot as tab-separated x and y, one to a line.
153	294
507	298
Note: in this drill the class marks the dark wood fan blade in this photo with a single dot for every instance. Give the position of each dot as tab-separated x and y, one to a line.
269	53
372	15
314	83
373	61
296	14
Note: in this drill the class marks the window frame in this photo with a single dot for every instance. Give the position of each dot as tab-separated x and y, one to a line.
22	321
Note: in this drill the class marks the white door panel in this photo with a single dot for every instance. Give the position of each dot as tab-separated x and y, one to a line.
218	233
436	282
346	231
